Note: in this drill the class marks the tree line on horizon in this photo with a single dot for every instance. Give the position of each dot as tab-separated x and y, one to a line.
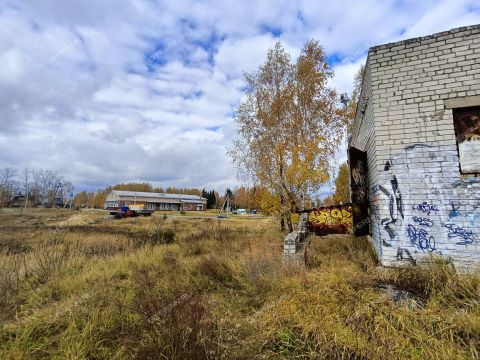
242	197
35	187
96	199
43	186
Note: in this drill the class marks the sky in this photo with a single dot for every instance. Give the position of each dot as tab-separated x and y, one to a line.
115	91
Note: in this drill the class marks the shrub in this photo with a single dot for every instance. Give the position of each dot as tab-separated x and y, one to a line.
326	251
156	236
52	256
161	235
218	270
218	233
183	329
10	279
173	321
170	259
12	246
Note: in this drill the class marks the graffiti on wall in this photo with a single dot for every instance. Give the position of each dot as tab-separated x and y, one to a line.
425	208
471	217
394	203
420	238
454	212
416	225
331	220
418	233
465	236
405	255
422	221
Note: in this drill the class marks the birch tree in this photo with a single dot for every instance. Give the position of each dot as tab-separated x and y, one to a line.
288	127
7	176
26	184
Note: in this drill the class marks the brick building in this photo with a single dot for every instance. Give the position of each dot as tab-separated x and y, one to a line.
414	152
155	201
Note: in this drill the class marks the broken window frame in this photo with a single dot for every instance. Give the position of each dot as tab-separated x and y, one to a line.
461	132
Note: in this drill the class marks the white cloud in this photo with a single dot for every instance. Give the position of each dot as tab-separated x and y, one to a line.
12	66
139	90
345	75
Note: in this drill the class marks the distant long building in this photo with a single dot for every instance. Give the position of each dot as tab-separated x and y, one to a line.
155	201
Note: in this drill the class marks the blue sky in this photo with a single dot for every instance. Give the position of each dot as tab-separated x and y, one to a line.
110	91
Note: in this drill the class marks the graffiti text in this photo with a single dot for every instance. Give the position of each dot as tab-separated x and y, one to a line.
425	208
466	236
420	238
423	221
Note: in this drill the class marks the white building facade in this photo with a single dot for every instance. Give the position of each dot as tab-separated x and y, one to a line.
155	201
415	149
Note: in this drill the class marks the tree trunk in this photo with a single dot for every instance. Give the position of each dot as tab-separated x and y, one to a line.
282	198
289	222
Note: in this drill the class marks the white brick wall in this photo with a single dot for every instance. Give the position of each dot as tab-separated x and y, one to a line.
406	123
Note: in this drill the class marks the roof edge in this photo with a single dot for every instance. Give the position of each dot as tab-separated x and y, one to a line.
145	194
360	96
426	37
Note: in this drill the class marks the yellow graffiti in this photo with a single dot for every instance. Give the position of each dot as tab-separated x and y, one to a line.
336	214
332	216
347	214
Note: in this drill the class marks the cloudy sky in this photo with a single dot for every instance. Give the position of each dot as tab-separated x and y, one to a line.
109	91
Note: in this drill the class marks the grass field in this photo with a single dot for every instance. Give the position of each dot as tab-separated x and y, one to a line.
74	285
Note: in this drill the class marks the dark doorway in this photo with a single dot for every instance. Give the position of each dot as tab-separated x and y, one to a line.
359	190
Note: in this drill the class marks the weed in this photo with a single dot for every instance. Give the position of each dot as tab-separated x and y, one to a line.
218	270
206	289
155	236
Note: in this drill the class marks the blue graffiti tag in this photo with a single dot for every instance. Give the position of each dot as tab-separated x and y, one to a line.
423	221
454	231
454	212
426	208
419	237
473	218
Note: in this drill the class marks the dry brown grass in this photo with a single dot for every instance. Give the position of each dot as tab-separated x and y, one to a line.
186	288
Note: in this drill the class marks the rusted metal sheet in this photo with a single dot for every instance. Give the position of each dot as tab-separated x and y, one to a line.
335	219
359	191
